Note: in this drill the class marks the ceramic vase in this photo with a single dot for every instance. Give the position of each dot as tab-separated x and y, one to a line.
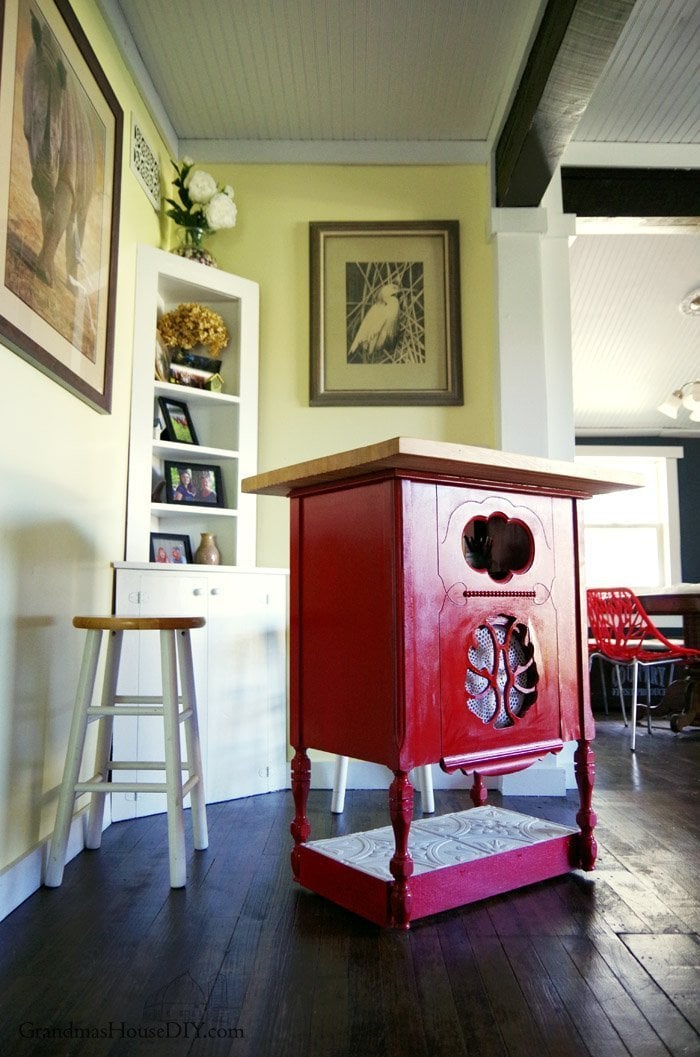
207	552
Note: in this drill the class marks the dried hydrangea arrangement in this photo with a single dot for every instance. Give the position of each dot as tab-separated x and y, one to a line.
192	324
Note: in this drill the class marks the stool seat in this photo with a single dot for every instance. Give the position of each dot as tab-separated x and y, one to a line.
114	623
177	710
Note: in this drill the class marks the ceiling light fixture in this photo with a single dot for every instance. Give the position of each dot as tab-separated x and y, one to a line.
690	305
687	396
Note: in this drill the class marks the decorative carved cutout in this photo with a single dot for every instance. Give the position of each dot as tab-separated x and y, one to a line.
502	677
145	164
498	545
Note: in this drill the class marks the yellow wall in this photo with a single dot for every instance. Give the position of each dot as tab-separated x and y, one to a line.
270	244
63	474
63	466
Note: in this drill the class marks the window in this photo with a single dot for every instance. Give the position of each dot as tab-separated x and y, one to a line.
632	538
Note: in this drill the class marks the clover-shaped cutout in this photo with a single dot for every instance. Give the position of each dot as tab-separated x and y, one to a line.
498	545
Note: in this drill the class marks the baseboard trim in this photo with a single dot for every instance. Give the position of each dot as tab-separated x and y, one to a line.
363	775
24	877
551	776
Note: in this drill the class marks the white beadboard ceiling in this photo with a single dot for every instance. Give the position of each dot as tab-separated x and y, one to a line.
332	70
631	343
649	91
431	81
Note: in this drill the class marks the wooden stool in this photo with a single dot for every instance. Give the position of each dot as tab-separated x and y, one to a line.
175	651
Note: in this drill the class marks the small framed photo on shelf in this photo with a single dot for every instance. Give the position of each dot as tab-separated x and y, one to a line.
190	369
178	424
162	363
167	549
193	484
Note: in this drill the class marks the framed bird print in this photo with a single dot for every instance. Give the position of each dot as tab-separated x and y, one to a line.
385	313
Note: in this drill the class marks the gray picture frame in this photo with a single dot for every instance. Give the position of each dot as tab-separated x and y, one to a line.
385	313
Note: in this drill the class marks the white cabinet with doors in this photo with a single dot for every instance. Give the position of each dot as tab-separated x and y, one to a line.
240	676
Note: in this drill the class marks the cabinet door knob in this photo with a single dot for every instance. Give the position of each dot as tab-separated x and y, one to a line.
198	591
216	590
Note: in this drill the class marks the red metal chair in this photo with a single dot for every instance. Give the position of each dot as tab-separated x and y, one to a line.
625	635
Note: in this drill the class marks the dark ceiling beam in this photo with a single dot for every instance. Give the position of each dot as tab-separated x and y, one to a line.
659	194
570	51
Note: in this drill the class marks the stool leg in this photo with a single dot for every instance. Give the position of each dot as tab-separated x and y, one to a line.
425	780
173	761
76	741
340	781
93	838
192	743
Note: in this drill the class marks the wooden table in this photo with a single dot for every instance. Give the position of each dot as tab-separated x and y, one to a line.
680	600
437	614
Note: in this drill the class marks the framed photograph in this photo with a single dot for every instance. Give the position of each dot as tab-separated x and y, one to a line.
385	313
167	549
162	361
194	484
59	198
178	424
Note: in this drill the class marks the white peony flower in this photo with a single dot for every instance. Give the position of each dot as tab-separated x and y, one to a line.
200	185
200	202
221	211
187	161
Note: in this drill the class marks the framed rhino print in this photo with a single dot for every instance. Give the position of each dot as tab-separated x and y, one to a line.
59	198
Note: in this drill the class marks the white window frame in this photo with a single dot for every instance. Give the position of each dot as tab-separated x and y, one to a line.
670	541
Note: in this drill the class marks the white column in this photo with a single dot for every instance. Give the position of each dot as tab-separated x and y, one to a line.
534	331
536	413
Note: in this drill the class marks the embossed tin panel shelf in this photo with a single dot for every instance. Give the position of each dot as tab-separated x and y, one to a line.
457	859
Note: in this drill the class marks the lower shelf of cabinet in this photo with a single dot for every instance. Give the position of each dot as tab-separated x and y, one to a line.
166	510
457	859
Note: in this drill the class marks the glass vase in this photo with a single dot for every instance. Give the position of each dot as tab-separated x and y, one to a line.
191	245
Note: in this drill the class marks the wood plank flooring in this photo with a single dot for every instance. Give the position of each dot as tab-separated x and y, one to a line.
244	963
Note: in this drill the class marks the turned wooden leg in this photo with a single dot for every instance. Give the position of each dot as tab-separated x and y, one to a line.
300	827
401	865
584	767
477	793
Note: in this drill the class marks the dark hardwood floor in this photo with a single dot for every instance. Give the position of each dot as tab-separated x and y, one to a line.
243	962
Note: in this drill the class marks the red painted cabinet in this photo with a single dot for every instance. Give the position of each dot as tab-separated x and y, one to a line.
437	617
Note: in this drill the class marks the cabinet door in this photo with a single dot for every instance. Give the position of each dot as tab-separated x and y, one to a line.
240	676
246	728
150	594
